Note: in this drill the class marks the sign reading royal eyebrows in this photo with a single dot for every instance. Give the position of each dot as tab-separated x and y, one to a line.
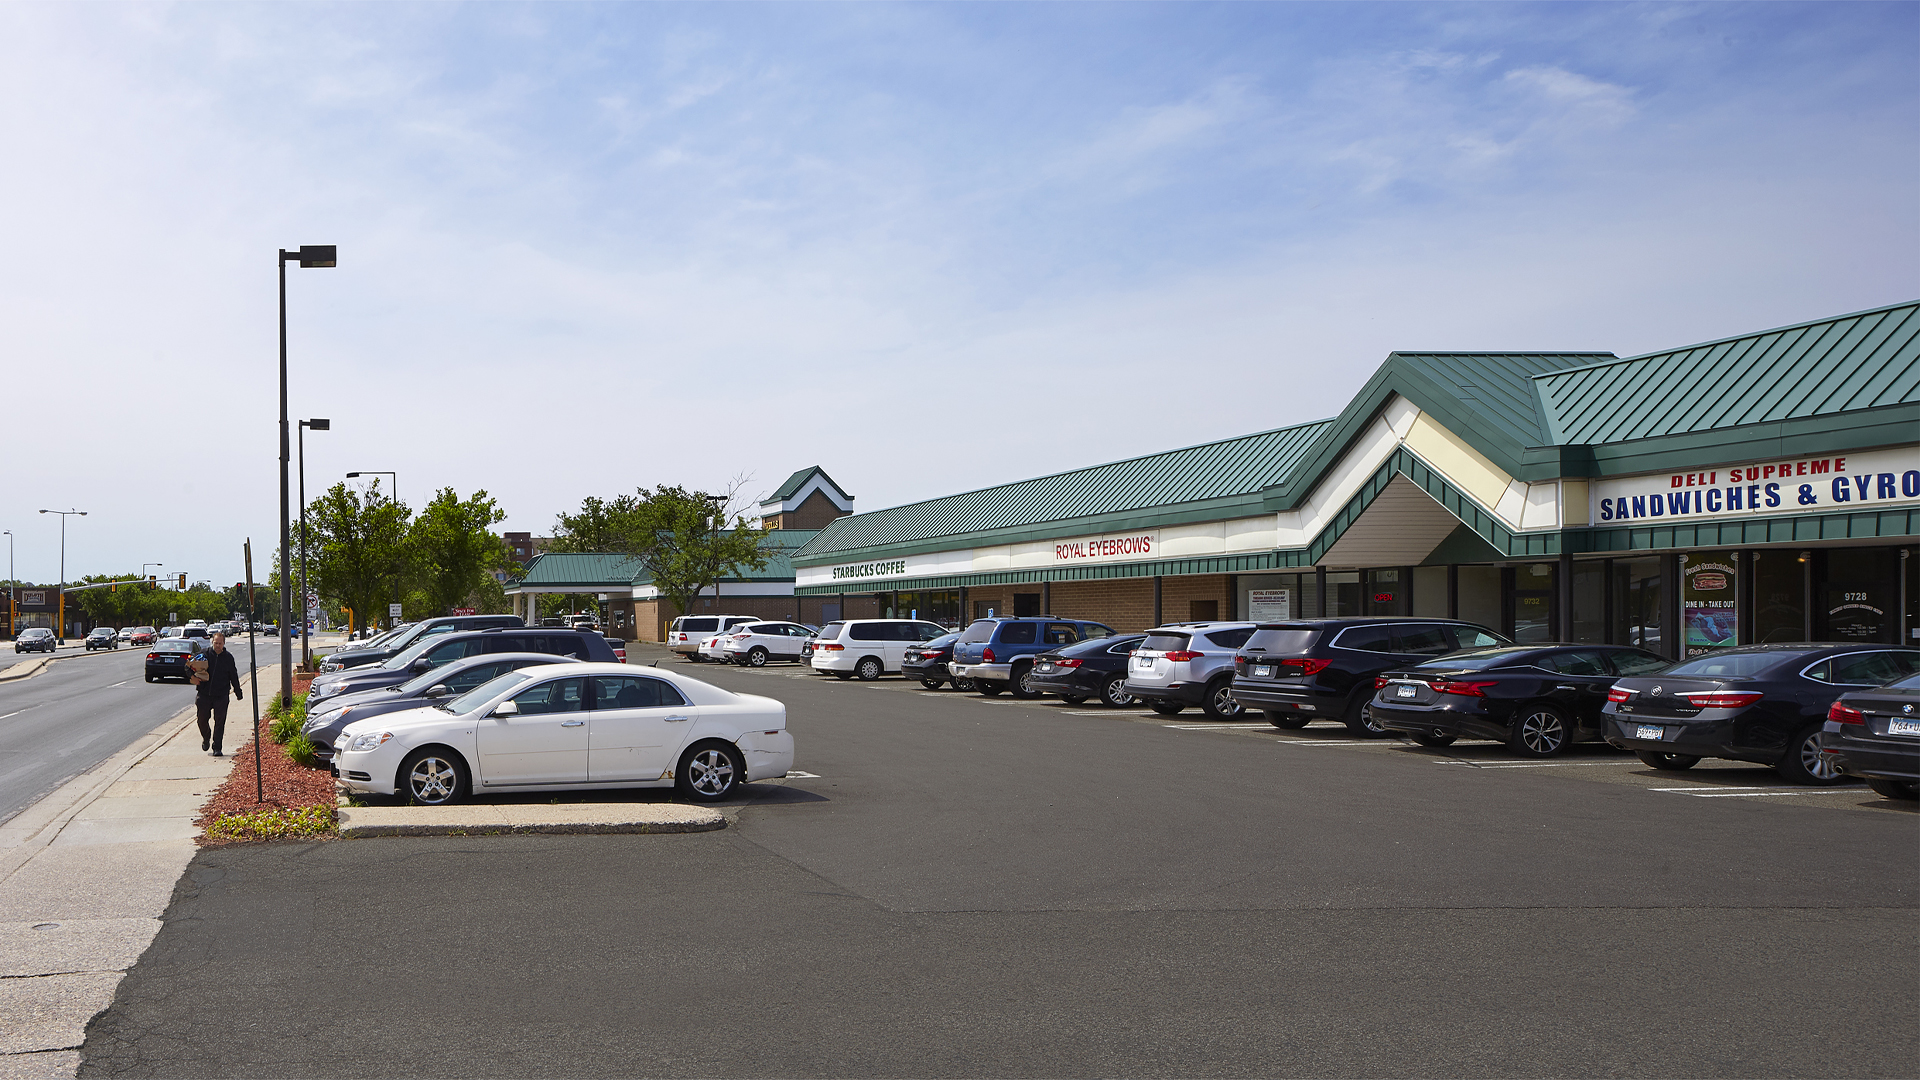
1786	486
859	571
1139	545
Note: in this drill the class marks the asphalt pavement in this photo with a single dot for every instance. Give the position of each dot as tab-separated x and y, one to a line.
960	887
81	710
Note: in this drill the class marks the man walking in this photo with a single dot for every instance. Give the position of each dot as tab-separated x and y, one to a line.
211	697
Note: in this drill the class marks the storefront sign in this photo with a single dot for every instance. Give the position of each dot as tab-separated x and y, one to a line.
862	571
1114	548
1269	605
33	598
1710	601
1861	481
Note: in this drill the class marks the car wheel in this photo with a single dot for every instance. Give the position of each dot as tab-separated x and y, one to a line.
1073	699
1219	702
757	657
965	686
869	669
1539	731
1287	721
149	678
1168	708
710	772
1667	762
1434	737
696	658
1805	764
931	684
433	777
989	688
1114	694
1023	682
843	676
1894	789
1361	722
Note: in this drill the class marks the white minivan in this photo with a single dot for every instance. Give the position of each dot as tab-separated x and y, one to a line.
869	648
687	633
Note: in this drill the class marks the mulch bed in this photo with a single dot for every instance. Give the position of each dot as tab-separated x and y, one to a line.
287	786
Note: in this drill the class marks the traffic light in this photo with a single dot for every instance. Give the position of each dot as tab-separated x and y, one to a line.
183	583
115	587
151	579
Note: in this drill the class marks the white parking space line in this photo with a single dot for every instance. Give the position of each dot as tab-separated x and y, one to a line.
794	774
1213	727
1312	742
1723	793
1525	764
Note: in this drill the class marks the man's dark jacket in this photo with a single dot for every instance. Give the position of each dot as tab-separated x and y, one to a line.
222	675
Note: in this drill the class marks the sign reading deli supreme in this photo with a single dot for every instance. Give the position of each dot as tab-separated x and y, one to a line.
1806	485
861	571
1139	545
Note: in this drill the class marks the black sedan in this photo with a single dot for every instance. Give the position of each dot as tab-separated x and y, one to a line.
1093	668
1758	703
448	681
1538	699
102	637
1876	736
168	658
928	661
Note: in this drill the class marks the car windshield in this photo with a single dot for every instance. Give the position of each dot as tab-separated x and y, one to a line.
1282	640
1165	641
1733	665
979	631
830	632
426	680
1911	682
1095	646
485	692
401	660
1478	660
941	642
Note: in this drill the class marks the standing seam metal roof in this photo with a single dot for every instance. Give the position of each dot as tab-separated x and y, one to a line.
1861	361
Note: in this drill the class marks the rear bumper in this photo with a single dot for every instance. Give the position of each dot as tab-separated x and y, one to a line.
1417	718
989	672
1289	699
1072	681
1878	759
1188	693
934	670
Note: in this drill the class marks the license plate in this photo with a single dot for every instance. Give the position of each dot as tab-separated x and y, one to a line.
1404	691
1648	731
1903	727
1144	663
1263	671
1046	667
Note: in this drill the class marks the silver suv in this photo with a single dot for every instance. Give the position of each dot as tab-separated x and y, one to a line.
1184	664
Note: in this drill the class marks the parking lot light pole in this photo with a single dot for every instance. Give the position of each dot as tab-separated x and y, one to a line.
309	255
306	613
395	499
60	635
12	612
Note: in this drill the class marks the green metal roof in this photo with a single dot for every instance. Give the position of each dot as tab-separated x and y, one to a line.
1851	363
1196	474
561	569
798	480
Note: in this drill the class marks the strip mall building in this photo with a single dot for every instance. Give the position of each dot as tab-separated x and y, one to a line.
1760	488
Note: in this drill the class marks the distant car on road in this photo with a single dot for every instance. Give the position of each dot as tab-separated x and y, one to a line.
125	634
143	635
34	639
102	637
168	658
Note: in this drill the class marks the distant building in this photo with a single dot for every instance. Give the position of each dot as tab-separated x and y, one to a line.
808	500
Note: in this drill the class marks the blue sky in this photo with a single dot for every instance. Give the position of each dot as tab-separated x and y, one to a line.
929	247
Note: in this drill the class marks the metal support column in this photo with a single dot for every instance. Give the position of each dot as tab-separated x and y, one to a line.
1563	594
1806	596
1156	601
1319	592
1233	597
1046	598
1453	590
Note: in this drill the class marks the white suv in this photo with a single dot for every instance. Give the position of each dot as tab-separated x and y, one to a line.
688	632
869	648
756	643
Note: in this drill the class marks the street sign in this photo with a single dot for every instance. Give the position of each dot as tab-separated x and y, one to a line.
463	611
393	611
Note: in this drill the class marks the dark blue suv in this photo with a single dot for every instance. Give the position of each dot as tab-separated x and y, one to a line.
997	654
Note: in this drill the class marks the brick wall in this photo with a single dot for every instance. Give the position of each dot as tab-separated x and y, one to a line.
812	514
1125	604
649	618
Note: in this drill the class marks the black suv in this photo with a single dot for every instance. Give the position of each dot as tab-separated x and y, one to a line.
353	658
1309	669
430	653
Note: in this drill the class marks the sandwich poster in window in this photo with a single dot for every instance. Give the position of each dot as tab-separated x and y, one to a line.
1709	603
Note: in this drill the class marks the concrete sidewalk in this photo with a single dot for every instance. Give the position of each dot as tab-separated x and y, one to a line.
85	875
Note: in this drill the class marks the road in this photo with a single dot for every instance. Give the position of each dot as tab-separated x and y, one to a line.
974	888
81	710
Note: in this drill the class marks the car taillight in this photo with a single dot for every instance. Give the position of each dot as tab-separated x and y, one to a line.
1721	699
1067	663
153	656
1379	682
986	656
1617	693
1239	665
1300	666
1845	714
1464	689
1181	656
828	646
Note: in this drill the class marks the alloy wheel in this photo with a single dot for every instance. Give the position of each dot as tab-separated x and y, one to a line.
434	780
1542	732
710	772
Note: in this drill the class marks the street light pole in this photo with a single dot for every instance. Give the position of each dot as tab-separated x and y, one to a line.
12	609
60	635
306	614
395	498
309	255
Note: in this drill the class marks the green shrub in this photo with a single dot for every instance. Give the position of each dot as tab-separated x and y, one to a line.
286	724
301	749
293	824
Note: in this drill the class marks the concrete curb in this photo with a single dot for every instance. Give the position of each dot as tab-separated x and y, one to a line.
518	819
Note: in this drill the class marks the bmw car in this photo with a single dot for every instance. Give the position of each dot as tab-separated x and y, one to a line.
1875	735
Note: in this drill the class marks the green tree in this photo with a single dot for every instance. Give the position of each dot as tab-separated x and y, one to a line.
680	538
454	550
602	525
357	550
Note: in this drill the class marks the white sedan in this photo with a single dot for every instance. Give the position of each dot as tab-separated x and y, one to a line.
571	726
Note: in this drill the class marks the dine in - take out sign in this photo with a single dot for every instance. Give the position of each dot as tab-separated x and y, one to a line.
1805	485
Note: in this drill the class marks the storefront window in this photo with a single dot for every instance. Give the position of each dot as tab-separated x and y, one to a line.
1430	592
1709	588
1343	594
1779	610
1638	604
1533	602
1480	595
1858	598
1270	597
1384	593
1590	602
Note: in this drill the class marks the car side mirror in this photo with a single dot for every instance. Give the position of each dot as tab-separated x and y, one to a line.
506	708
438	690
422	664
